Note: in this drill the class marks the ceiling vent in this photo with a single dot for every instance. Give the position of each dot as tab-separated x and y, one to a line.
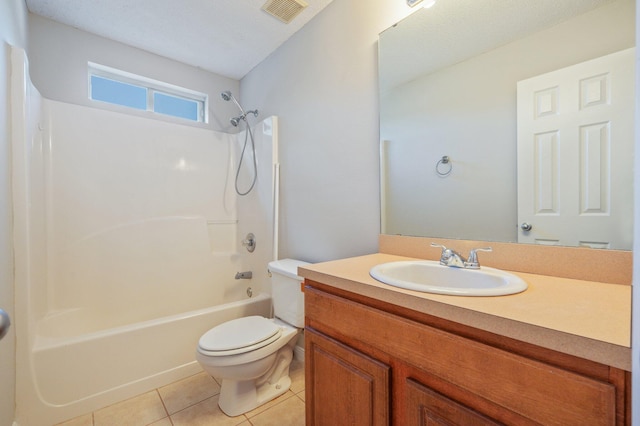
284	10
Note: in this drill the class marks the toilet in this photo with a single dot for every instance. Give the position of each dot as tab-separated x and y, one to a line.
252	354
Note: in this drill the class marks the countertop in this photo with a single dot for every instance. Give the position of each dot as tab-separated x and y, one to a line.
591	320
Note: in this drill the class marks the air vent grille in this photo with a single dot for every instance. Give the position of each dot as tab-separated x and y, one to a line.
284	10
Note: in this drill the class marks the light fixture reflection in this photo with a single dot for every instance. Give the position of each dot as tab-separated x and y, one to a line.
426	5
184	166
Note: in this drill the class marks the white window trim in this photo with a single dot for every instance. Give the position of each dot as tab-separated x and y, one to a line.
153	86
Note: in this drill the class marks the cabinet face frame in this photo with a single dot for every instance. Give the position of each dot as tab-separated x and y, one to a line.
552	380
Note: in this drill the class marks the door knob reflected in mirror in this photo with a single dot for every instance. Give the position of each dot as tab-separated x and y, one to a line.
526	226
5	322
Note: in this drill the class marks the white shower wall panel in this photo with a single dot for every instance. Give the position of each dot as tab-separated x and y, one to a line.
109	168
256	209
129	202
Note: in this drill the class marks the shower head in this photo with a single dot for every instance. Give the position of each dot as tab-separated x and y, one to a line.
228	96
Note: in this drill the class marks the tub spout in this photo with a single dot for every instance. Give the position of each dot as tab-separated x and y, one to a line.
244	275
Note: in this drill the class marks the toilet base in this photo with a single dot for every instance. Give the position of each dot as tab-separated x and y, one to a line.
240	396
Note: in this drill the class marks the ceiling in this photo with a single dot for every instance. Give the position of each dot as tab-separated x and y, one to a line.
453	31
226	37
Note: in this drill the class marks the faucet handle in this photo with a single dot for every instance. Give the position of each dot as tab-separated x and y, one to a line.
439	246
472	262
446	253
450	257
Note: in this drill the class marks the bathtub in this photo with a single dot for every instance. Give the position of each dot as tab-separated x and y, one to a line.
78	373
118	274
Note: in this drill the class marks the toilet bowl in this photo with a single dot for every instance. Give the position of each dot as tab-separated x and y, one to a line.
252	354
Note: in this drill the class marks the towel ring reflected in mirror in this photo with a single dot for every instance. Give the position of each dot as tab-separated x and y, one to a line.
444	166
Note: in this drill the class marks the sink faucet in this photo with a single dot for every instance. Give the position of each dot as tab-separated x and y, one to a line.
454	259
450	257
472	262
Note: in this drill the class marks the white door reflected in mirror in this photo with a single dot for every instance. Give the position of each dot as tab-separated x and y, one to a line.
575	145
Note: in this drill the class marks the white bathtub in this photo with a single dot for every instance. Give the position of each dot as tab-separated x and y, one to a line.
125	249
74	374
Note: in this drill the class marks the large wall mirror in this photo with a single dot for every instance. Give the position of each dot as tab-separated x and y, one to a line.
510	120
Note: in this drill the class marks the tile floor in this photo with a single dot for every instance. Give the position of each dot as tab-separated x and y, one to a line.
194	402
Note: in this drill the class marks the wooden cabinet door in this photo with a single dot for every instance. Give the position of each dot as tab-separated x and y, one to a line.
343	386
425	407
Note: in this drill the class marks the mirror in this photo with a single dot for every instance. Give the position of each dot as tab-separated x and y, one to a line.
456	158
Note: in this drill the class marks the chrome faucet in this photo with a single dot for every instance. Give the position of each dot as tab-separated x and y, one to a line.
450	257
472	262
244	275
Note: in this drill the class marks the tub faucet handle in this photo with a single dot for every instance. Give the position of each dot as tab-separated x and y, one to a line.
244	275
249	242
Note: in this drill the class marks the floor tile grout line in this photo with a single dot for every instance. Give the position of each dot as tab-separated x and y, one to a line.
162	402
192	405
246	417
272	406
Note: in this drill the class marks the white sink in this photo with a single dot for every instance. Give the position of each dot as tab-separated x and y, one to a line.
431	277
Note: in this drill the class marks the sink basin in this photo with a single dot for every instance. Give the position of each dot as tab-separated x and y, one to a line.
431	277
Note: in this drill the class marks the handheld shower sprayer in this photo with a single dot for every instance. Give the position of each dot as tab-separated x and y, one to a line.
235	121
228	96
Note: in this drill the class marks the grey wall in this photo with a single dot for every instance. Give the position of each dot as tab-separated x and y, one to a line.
13	31
59	54
322	83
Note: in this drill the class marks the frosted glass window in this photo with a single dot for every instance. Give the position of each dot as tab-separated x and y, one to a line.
119	93
141	93
175	106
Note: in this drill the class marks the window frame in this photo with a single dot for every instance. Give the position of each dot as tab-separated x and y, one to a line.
152	87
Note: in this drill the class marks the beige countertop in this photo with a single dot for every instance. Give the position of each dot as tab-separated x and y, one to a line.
587	319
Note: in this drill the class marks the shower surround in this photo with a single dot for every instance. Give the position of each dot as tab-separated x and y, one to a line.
127	240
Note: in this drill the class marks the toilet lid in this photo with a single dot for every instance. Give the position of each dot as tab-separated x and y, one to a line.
246	333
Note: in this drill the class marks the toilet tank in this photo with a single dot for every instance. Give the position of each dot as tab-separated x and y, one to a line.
288	298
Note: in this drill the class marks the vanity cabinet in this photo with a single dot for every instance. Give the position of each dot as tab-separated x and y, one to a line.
354	385
371	362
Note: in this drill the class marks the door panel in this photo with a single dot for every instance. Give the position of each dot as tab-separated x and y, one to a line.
575	154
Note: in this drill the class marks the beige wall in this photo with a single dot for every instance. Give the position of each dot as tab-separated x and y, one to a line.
13	25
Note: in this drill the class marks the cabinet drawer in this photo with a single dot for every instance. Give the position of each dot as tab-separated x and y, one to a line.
534	390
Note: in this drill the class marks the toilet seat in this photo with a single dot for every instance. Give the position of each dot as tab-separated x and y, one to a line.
239	336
